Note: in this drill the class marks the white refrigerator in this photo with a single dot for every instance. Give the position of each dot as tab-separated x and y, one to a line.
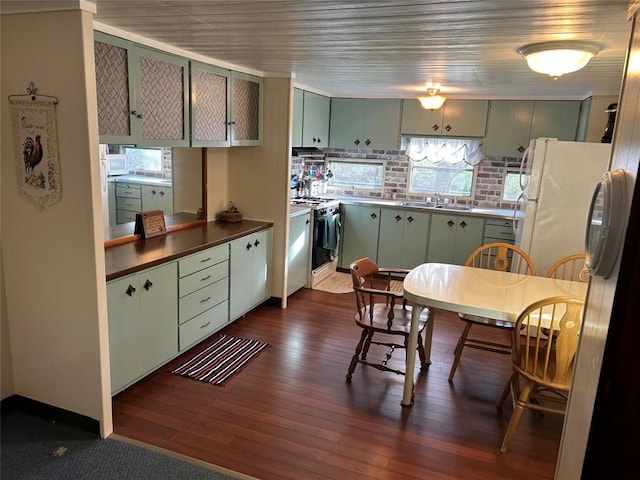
557	181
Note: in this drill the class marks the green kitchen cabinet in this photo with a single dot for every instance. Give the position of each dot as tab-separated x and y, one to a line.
555	119
298	112
403	238
246	115
372	123
508	127
456	118
499	230
157	198
299	257
249	272
142	94
210	105
361	224
142	311
315	120
453	237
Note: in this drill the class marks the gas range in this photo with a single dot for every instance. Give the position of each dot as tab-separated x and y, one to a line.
315	203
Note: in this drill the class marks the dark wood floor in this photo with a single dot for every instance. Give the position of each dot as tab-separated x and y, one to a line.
291	415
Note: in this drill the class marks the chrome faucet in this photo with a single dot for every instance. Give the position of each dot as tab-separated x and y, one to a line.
438	198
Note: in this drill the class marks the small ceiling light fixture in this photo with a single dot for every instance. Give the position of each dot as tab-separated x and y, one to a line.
432	100
559	57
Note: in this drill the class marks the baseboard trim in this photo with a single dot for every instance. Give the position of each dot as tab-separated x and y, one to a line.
49	412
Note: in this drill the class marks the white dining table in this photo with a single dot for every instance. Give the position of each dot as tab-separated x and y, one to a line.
474	291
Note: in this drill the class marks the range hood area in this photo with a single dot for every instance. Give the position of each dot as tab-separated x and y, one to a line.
307	152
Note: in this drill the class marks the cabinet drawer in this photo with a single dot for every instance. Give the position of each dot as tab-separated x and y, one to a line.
130	204
198	280
203	325
499	229
197	302
204	259
127	191
125	216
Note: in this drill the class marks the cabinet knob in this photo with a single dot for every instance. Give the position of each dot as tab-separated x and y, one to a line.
409	219
435	127
249	246
367	142
308	221
450	223
136	114
398	218
256	243
463	224
521	149
373	215
448	128
153	192
231	123
147	285
130	290
356	141
161	192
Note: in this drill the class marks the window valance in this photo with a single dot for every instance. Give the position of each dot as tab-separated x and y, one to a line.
449	150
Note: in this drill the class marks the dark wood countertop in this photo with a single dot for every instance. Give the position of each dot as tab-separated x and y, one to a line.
127	258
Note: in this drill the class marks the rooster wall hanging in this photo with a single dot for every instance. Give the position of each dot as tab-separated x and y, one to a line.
36	146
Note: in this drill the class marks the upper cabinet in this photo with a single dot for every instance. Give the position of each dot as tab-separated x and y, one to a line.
456	118
512	123
310	119
247	95
147	97
315	120
142	94
372	123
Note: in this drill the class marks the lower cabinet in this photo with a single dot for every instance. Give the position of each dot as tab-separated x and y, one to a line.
157	198
143	308
249	275
298	261
361	224
453	238
403	238
203	289
499	230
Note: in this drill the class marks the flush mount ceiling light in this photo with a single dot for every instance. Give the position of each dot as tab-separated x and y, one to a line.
559	57
432	100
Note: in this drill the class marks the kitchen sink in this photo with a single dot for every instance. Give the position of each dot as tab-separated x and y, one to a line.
454	208
417	204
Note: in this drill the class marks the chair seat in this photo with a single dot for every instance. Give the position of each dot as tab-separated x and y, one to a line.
379	320
489	322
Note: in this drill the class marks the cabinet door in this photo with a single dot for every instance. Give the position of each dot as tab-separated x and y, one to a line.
381	123
298	260
442	237
315	123
246	109
113	63
464	118
347	123
508	127
123	307
469	236
555	119
417	120
360	238
161	100
157	198
260	262
402	242
165	199
240	282
159	314
296	135
209	106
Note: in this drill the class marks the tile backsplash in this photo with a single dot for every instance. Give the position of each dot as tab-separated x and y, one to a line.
490	174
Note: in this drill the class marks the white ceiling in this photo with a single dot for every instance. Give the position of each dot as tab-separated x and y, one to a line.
390	48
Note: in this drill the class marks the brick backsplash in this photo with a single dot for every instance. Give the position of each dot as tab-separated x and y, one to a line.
488	183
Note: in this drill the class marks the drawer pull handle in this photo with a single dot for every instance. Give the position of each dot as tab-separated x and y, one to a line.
147	285
130	290
205	278
204	300
205	325
205	260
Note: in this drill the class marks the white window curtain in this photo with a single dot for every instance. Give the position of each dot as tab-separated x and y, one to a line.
449	150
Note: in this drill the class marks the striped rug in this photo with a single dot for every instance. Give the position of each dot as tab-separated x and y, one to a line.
221	360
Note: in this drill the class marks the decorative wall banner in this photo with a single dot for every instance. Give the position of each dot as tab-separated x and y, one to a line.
36	149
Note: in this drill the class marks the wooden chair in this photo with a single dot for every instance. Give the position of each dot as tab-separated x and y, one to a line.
382	312
492	256
544	364
571	267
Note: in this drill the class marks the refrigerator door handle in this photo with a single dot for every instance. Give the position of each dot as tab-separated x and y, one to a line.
522	199
523	162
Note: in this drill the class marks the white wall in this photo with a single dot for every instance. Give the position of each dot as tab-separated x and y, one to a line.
53	260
